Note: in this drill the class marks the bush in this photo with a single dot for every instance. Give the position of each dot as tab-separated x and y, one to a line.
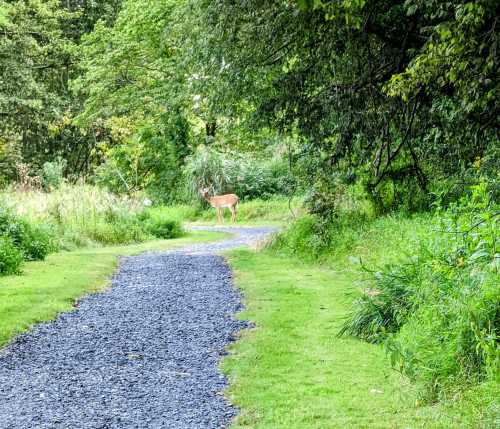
232	173
384	308
160	226
53	174
451	340
37	243
301	239
312	237
165	228
11	257
34	242
439	310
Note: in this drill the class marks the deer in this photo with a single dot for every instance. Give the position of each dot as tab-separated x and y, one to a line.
219	202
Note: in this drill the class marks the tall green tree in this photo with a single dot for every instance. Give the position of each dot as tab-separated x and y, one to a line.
398	93
38	52
136	84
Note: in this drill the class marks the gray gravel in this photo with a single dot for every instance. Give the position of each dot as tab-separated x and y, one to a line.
143	354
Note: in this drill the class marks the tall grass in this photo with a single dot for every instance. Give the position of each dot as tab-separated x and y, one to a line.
83	215
231	172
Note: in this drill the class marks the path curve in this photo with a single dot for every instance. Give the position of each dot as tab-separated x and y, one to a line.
143	354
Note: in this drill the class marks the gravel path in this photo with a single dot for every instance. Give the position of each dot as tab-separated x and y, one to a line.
144	354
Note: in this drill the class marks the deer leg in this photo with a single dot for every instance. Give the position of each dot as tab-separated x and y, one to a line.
219	220
233	214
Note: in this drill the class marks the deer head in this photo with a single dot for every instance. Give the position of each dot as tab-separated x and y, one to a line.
204	193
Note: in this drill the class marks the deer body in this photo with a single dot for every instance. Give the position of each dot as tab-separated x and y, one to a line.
219	202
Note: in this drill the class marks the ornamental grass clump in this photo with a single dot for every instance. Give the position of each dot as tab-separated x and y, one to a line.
385	306
230	172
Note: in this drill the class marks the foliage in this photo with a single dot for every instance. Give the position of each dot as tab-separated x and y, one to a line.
53	174
9	156
165	229
135	75
150	160
438	310
31	43
34	242
149	87
384	308
38	59
161	226
230	172
395	95
117	227
322	231
78	216
11	257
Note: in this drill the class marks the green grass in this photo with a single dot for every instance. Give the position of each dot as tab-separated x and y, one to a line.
292	371
274	211
52	286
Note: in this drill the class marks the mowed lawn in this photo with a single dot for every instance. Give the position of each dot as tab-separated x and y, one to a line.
49	287
292	371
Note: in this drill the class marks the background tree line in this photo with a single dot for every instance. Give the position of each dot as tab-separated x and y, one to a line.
400	97
39	57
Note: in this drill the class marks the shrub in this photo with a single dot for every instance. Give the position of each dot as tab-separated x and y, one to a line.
301	239
37	242
53	174
230	172
34	242
159	226
439	310
11	257
313	237
165	228
386	306
451	340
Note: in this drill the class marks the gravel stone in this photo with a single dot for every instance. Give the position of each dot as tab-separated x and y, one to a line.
143	354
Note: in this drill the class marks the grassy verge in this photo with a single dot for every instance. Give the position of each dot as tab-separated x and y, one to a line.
52	286
292	371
